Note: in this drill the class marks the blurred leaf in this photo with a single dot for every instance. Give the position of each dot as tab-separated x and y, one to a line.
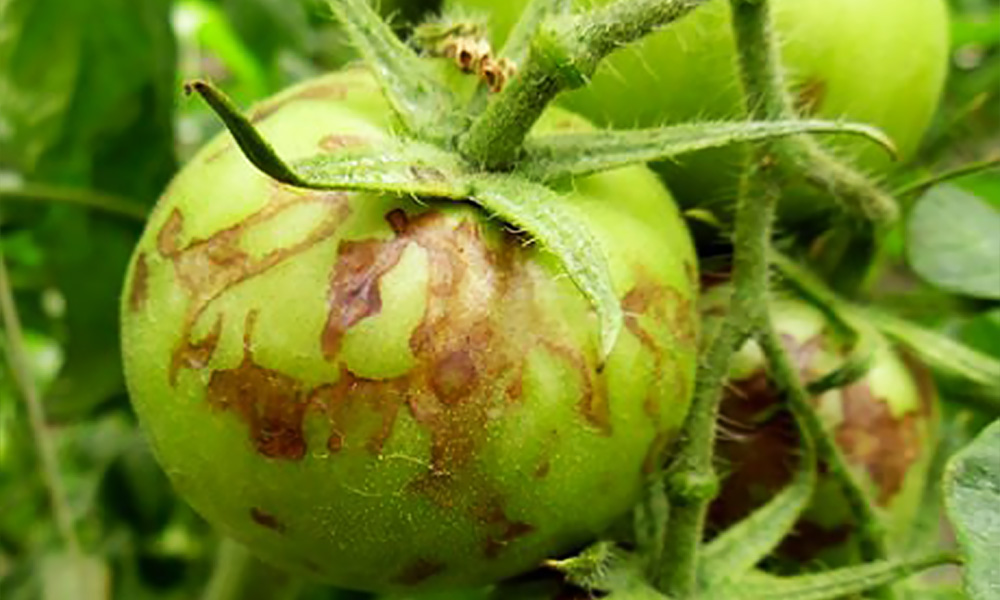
983	332
91	91
953	242
78	577
981	28
972	484
270	26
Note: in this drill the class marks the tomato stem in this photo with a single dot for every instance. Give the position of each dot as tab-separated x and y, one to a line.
564	54
765	97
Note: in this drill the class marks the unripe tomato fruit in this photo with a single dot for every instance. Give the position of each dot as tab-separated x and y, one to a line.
389	393
884	424
881	62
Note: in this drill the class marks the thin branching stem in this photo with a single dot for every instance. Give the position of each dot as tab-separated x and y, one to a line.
922	185
57	194
44	443
564	54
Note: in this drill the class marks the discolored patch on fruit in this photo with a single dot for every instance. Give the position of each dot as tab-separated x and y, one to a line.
664	306
206	268
502	530
872	437
810	97
266	519
323	91
418	572
343	401
453	377
140	284
336	141
272	404
756	448
593	404
195	354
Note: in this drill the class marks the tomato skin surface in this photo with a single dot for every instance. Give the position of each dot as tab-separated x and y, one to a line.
884	424
881	62
387	394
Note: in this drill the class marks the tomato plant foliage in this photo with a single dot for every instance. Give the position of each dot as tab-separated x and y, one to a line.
408	327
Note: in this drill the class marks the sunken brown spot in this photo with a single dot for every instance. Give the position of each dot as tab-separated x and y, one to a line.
418	571
345	140
206	268
195	354
664	306
872	437
272	404
810	97
140	284
266	519
502	530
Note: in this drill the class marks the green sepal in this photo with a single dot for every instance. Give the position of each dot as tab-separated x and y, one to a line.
557	155
423	103
838	583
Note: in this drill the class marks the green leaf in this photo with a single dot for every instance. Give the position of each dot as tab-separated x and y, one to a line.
953	242
838	583
972	498
88	91
735	551
558	155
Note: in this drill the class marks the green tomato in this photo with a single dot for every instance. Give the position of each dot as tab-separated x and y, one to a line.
390	393
881	62
883	423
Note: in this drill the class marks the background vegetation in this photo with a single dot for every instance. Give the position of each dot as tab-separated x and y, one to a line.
93	125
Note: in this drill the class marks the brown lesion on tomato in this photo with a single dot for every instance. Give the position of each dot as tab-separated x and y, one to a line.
338	141
501	530
195	354
272	404
671	314
206	268
810	96
419	571
266	519
139	290
870	436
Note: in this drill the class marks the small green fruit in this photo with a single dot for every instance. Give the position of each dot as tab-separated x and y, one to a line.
883	423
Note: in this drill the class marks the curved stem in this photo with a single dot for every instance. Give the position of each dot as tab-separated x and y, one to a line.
43	192
563	55
921	185
36	415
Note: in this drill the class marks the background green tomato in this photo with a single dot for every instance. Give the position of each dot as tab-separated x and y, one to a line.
386	393
881	62
883	423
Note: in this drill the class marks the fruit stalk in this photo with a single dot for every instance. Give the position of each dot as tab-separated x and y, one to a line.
563	55
692	480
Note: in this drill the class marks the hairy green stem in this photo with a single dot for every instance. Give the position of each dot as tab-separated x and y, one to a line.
767	97
100	201
36	415
564	54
